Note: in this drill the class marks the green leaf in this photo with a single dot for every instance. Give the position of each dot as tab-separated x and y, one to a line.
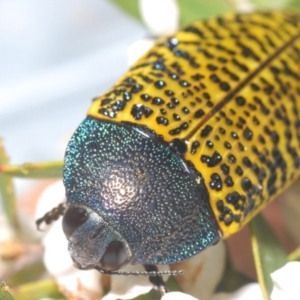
130	6
31	272
37	290
173	285
34	170
4	294
269	4
269	255
7	192
152	295
194	10
294	3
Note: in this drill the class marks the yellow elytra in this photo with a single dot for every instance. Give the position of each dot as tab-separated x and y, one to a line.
229	87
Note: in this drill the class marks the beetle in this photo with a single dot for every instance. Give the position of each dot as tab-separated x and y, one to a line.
188	146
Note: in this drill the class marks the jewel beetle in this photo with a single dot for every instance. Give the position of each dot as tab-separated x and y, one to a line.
187	146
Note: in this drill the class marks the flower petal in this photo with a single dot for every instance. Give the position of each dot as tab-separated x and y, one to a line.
247	292
204	270
286	282
243	6
6	232
138	49
161	17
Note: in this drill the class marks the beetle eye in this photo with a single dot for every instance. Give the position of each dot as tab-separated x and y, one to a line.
114	257
73	218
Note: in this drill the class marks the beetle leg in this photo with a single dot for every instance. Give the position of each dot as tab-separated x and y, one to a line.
156	280
52	215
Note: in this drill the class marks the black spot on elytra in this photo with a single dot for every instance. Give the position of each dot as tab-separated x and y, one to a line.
226	215
199	113
209	144
254	87
228	181
194	147
145	97
222	130
239	171
184	83
157	101
231	158
224	86
126	96
240	101
247	162
139	110
175	101
216	182
213	160
206	131
163	111
246	184
162	121
227	145
237	200
185	110
225	169
248	134
169	93
136	88
214	78
234	135
159	84
176	117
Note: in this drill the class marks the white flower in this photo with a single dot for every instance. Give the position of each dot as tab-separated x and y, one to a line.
251	291
137	49
247	6
161	17
6	232
285	286
286	282
243	6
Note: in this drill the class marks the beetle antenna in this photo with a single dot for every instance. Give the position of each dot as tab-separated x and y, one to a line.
52	215
155	276
144	273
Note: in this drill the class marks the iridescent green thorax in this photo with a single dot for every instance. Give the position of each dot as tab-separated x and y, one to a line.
142	188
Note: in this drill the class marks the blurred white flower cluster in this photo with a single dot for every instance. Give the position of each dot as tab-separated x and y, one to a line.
161	19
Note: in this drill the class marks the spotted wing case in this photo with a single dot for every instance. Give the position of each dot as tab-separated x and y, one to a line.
230	88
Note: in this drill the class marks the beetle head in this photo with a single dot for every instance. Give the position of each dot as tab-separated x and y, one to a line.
93	244
132	199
